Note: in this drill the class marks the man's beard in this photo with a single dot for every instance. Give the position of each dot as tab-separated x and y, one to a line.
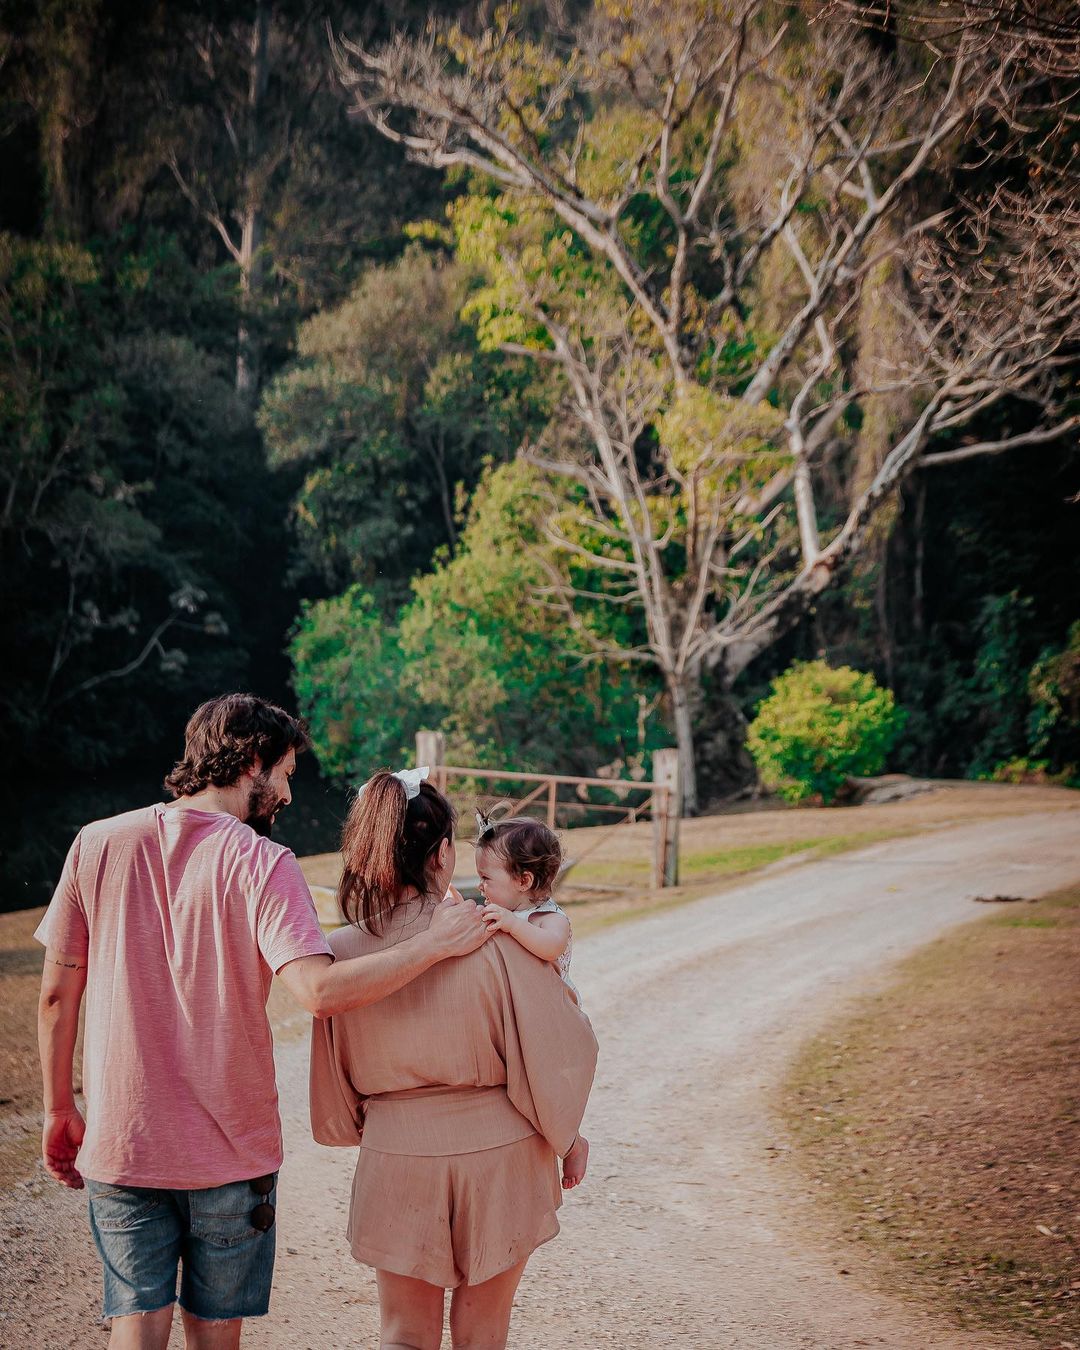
263	805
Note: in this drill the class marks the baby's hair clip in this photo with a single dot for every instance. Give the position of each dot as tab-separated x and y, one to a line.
486	821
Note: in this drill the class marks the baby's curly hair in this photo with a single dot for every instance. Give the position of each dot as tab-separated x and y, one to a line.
226	735
524	845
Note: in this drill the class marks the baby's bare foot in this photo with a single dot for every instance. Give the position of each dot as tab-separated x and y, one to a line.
575	1164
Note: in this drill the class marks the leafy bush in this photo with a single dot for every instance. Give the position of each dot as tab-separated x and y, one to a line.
1054	689
818	726
1038	771
1053	723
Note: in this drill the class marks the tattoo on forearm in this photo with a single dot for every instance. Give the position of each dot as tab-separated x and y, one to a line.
68	965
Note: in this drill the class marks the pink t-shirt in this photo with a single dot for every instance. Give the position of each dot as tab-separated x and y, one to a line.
182	916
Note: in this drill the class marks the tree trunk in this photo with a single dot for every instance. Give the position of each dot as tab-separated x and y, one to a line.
70	99
918	612
682	720
247	364
724	764
710	732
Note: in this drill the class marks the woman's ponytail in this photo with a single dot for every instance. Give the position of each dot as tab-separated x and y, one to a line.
386	845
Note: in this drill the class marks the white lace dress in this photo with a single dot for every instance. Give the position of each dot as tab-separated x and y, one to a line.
562	963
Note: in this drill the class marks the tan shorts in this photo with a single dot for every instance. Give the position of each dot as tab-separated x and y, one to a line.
462	1218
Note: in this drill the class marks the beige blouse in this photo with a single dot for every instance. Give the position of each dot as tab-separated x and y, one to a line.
478	1051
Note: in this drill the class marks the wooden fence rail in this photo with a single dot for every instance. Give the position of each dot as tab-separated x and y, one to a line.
663	802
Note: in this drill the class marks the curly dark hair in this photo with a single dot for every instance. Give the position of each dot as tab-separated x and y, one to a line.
226	735
524	845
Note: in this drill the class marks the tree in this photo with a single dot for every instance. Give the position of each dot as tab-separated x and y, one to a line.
473	652
351	683
111	466
510	682
389	411
629	245
255	136
142	538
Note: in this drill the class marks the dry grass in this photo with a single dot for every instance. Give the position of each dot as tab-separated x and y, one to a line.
940	1122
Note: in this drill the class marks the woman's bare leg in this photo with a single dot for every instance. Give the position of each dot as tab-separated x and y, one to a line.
480	1313
411	1312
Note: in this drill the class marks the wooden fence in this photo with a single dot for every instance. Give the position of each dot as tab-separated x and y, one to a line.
662	801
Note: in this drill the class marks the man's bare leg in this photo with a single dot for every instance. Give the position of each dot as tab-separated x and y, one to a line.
141	1331
200	1334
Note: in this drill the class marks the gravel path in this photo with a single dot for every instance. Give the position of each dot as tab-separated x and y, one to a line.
688	1231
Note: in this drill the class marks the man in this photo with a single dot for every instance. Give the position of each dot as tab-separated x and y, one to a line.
173	919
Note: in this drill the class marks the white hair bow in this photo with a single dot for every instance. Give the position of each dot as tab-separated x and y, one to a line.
410	779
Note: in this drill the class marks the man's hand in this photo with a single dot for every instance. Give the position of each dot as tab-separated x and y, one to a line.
60	1141
456	927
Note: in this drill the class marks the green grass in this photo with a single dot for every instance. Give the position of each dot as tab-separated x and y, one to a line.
726	862
711	864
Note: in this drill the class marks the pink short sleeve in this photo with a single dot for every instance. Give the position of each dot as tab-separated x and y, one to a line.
64	926
287	924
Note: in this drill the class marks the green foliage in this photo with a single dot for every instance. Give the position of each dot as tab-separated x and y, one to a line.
1050	734
111	466
981	702
1054	689
349	675
136	509
512	681
721	443
388	411
820	725
998	685
134	489
476	653
1027	770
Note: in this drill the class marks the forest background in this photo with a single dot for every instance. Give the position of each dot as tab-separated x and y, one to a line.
283	409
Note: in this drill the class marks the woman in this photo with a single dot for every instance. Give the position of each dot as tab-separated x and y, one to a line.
466	1086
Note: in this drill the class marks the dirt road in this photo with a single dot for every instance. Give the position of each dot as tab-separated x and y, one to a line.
689	1231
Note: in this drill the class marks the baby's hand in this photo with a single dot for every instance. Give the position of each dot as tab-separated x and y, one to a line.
497	919
575	1164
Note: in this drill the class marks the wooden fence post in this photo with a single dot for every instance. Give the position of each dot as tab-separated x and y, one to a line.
666	818
431	750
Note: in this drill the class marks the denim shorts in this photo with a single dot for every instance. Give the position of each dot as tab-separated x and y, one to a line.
145	1235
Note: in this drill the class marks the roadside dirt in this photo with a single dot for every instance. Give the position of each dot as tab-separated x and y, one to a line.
941	1121
691	1229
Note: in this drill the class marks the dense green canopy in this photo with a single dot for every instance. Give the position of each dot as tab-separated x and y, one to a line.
276	404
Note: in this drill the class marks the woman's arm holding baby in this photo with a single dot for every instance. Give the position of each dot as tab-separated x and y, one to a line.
545	935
